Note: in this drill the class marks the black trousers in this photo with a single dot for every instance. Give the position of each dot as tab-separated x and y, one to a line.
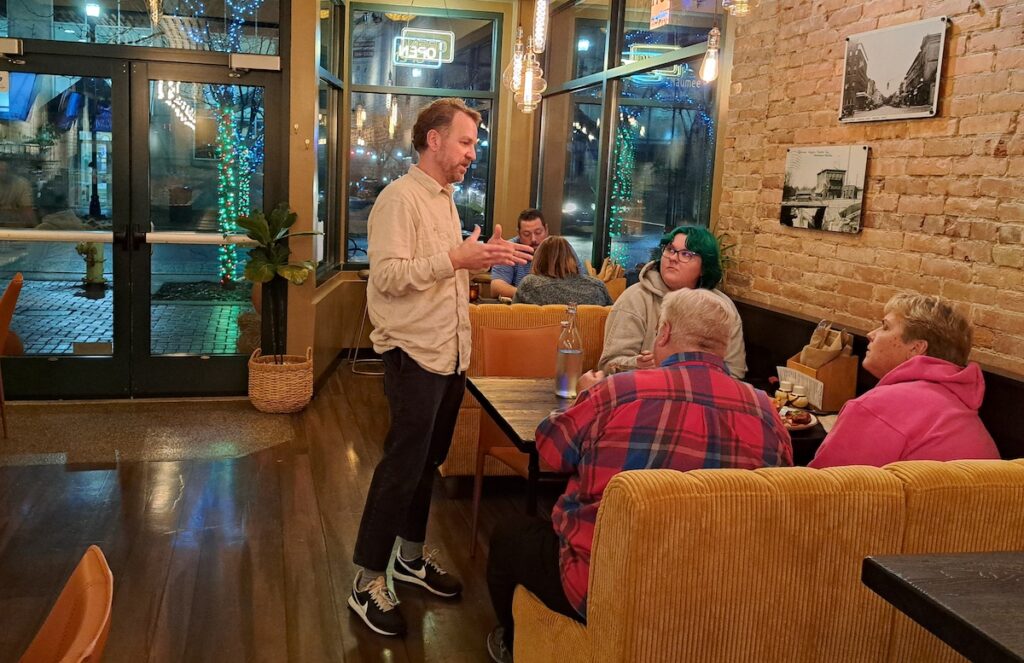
524	551
424	407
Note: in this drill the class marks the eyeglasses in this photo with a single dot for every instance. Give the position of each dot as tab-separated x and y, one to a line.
682	255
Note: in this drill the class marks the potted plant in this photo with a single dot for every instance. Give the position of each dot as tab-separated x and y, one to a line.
277	382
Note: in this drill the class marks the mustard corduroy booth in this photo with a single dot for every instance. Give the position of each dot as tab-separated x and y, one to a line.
764	565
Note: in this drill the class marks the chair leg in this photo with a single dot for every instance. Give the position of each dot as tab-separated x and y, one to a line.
3	406
478	484
353	355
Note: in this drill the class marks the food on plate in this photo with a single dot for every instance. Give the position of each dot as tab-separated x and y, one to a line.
795	418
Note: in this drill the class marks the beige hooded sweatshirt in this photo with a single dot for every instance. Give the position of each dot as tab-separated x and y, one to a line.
633	325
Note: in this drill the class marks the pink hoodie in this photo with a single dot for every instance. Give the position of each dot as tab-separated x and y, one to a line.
924	409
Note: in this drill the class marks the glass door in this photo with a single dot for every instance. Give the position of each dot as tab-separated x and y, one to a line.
64	207
199	145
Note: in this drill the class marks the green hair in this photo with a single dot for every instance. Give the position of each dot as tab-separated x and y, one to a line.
703	243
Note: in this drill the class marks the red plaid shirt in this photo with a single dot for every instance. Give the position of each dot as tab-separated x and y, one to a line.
687	414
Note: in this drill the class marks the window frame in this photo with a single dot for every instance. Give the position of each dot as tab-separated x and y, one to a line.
336	217
611	81
491	95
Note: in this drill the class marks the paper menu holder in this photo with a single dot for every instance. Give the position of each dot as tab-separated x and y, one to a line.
837	380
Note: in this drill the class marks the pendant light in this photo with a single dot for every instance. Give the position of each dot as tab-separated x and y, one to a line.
529	95
540	25
512	77
739	7
709	68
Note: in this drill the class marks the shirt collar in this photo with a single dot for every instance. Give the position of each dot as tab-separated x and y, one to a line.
696	358
428	182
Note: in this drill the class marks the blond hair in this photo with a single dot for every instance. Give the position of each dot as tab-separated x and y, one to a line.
438	116
699	319
932	319
554	258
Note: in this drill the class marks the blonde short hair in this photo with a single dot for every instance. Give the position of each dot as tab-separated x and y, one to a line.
438	116
932	319
699	318
554	258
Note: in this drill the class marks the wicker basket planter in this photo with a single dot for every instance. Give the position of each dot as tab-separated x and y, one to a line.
279	388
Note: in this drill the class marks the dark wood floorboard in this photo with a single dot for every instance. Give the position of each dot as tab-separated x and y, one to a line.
245	559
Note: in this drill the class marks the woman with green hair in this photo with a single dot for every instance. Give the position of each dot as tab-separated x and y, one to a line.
686	257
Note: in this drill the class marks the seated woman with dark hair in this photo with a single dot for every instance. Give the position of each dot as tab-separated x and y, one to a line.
925	405
686	257
555	278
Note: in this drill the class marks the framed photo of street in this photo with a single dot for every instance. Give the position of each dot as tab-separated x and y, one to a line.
893	73
823	187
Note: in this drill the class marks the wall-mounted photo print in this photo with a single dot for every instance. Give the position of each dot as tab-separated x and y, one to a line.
893	73
824	187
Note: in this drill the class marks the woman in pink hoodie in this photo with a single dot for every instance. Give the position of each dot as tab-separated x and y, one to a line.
925	405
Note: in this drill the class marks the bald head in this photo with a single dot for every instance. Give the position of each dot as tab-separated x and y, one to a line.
692	321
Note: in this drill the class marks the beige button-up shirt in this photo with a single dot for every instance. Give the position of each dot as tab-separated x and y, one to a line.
417	301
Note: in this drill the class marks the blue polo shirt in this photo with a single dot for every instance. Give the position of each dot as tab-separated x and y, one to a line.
515	273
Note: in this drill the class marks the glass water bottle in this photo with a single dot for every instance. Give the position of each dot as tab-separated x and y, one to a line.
569	364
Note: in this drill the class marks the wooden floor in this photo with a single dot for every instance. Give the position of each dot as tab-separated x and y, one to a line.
247	559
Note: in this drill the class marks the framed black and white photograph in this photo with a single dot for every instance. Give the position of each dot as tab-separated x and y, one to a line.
893	73
824	187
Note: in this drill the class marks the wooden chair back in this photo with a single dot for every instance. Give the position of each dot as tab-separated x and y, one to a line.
76	629
520	353
7	304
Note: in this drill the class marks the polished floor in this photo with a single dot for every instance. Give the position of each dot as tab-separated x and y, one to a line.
244	559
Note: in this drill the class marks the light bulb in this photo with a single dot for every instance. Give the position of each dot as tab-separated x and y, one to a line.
512	77
529	95
709	68
540	25
738	7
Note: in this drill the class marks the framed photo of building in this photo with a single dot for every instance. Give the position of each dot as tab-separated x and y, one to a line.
893	73
824	187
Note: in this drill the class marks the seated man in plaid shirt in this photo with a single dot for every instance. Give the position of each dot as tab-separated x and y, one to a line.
687	413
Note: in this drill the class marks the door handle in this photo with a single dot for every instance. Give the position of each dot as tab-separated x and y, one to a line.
130	239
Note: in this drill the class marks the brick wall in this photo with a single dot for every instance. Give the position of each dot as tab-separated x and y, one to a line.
944	198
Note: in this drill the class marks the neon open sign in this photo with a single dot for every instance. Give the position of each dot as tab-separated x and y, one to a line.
419	47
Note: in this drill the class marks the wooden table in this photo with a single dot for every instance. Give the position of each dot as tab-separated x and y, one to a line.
518	405
974	602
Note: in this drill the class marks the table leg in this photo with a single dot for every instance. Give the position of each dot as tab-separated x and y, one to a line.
531	483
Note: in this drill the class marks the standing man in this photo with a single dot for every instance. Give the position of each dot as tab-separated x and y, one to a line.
533	230
418	297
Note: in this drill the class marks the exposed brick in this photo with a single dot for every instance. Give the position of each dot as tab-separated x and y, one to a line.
941	246
943	208
921	205
1008	256
972	251
995	123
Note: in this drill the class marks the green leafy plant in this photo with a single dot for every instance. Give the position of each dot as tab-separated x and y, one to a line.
269	264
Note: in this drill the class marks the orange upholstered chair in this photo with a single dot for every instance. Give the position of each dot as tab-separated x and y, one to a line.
516	353
76	629
7	304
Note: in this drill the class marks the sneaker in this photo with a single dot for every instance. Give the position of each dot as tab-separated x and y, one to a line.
377	606
428	574
496	646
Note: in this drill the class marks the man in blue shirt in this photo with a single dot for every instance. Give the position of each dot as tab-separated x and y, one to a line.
533	230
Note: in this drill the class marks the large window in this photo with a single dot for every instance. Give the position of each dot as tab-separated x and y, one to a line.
630	155
400	62
329	208
236	26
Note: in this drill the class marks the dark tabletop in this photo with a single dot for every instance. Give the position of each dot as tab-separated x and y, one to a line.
974	602
518	405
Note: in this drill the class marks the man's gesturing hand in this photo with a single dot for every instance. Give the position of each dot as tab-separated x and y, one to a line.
471	254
